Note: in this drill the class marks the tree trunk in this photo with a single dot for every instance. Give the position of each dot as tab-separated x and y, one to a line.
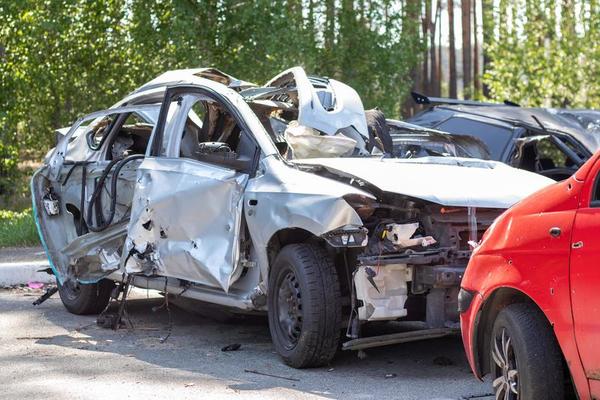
487	16
426	24
466	50
329	37
476	76
412	11
452	51
438	71
434	81
346	31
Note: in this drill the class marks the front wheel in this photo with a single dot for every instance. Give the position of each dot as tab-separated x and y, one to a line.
526	363
304	305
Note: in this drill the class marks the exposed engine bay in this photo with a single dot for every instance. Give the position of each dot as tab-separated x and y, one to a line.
417	251
413	262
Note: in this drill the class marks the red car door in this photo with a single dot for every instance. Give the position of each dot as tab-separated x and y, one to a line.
585	278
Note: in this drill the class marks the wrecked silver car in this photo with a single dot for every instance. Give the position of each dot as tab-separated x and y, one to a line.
265	198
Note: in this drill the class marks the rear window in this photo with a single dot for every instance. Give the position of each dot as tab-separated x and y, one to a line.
495	137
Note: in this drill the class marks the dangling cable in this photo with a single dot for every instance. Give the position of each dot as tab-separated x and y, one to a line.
120	163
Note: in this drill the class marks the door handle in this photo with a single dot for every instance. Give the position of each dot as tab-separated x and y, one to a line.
577	245
555	231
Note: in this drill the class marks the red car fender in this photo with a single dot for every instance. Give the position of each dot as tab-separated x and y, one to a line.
517	259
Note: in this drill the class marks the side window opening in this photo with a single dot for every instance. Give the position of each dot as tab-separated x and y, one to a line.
132	137
124	134
539	153
97	131
210	133
550	156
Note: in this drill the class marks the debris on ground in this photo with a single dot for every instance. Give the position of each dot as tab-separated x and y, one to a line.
34	337
47	294
231	347
35	285
252	371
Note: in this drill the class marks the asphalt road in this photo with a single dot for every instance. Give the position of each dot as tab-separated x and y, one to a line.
47	353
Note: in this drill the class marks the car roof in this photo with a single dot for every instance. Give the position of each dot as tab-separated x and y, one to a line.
528	117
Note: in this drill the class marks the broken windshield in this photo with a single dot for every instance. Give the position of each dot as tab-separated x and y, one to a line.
411	141
497	138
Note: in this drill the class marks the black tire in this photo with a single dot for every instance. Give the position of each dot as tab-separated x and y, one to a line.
85	299
531	350
379	133
304	306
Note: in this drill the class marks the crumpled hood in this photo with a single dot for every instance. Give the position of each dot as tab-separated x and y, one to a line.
448	181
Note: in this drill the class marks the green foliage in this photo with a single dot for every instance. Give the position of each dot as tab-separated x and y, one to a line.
17	229
63	58
545	53
8	168
60	59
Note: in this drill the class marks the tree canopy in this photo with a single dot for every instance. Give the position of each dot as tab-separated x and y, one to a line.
60	59
65	58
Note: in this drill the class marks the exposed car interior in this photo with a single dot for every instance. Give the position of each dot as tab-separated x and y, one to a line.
132	137
127	134
541	154
211	134
551	142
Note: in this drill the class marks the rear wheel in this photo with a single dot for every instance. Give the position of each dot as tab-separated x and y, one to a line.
85	299
525	360
304	305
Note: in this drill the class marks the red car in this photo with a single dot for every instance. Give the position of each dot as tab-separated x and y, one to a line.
530	297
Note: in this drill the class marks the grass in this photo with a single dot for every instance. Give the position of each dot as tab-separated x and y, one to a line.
17	229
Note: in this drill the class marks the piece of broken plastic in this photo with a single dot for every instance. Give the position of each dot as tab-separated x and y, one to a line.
307	142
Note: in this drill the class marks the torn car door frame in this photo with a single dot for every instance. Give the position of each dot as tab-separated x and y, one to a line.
203	245
270	205
272	196
64	254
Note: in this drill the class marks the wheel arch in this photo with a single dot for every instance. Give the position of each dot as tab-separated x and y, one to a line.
499	299
294	235
285	236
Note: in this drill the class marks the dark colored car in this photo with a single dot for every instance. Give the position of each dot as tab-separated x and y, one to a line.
529	298
412	141
552	142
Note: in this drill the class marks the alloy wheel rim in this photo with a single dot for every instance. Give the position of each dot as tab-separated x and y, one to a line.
289	309
506	383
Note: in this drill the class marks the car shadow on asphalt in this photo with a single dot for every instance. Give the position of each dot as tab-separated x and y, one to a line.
192	340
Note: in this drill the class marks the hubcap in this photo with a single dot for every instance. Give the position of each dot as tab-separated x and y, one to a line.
289	309
506	384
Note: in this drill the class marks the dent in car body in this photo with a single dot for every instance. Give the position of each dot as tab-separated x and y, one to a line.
182	220
206	227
